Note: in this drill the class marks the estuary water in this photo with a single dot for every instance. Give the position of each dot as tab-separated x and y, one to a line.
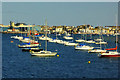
71	63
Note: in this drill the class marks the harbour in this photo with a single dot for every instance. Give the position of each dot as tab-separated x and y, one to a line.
71	63
60	40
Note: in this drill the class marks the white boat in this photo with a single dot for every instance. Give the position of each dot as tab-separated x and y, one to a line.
70	44
96	51
28	45
32	49
80	40
59	34
52	40
67	37
98	39
28	40
84	47
17	37
43	53
44	38
61	42
111	53
102	42
90	41
55	40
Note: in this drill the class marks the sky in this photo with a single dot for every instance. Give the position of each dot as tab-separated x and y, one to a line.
60	13
60	0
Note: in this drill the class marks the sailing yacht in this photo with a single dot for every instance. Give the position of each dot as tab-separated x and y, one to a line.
90	40
111	53
28	45
56	40
17	37
83	46
100	40
97	50
68	36
70	44
32	49
44	53
80	40
44	38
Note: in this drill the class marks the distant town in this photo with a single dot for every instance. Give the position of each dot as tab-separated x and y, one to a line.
80	29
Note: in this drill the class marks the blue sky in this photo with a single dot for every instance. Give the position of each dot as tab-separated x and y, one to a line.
60	13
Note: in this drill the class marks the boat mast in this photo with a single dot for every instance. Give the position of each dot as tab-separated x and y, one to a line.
100	36
29	32
46	35
116	31
56	31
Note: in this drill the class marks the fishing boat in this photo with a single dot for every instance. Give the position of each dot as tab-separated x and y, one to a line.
44	53
111	53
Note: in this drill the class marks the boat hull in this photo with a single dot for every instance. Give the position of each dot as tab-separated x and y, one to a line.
35	50
110	56
44	55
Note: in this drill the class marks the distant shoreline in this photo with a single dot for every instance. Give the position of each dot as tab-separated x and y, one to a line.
51	33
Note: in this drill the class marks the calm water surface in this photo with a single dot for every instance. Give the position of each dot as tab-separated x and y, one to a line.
71	63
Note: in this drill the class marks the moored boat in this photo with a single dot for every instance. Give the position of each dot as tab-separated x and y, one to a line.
43	53
32	49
